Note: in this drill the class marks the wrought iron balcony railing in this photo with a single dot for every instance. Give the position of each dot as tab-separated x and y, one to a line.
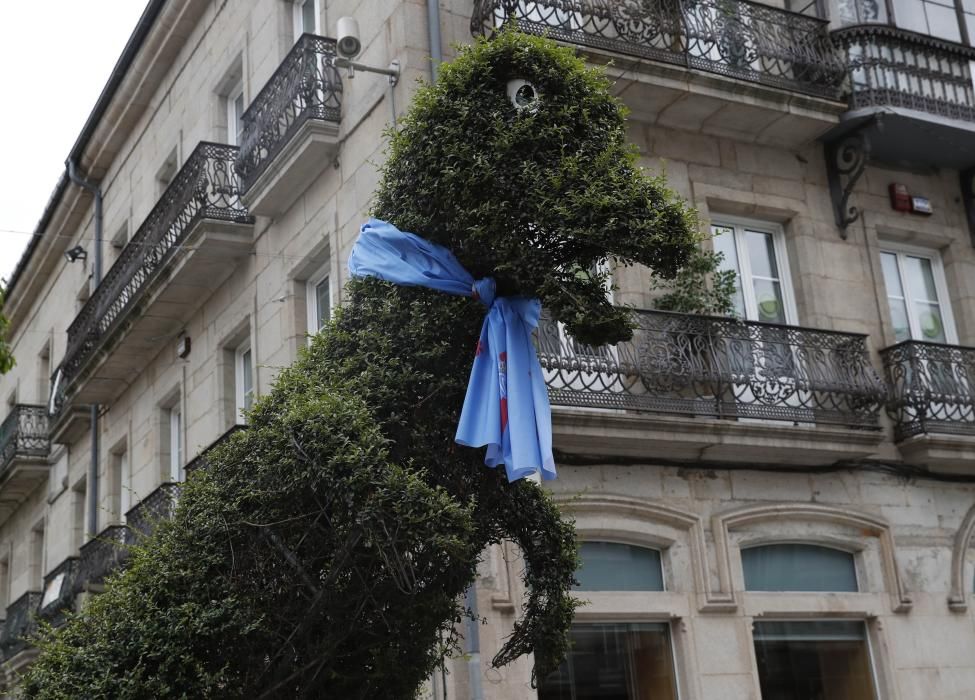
206	187
158	505
932	388
24	434
736	38
305	86
102	556
59	592
19	624
721	367
891	67
200	461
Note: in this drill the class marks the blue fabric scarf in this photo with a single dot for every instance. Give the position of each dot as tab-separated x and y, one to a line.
506	408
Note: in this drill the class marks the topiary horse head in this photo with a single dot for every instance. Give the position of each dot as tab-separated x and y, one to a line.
324	551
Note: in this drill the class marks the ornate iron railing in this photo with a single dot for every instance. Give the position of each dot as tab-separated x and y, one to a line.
206	187
18	624
932	388
890	67
200	461
59	592
736	38
305	86
23	433
722	367
158	505
103	556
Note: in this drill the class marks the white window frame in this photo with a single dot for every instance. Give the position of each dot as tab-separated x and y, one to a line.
311	299
233	133
296	18
240	395
175	417
744	264
940	286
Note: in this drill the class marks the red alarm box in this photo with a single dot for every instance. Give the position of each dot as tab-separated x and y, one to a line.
900	200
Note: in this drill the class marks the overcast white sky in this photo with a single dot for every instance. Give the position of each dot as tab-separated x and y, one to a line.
55	57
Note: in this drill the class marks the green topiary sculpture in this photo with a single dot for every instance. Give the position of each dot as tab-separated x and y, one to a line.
325	550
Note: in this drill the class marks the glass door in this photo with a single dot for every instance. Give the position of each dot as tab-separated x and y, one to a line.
917	296
936	379
758	362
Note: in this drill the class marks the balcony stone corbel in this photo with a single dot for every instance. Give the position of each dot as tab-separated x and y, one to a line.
846	160
968	197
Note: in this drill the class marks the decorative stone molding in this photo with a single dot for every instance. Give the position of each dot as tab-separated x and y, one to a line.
869	525
589	510
958	592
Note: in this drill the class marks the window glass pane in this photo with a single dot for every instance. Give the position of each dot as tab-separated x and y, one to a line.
125	485
761	254
308	16
175	445
237	110
615	662
724	243
898	315
768	298
920	278
930	322
910	15
813	660
245	374
610	566
892	277
943	22
322	303
798	567
248	379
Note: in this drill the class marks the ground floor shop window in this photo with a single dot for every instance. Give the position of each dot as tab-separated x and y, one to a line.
619	661
814	660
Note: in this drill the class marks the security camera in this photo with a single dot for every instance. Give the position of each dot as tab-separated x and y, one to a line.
349	45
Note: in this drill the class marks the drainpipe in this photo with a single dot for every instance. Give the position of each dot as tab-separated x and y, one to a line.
473	644
433	28
96	275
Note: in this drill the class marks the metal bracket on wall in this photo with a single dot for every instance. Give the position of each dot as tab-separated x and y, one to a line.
846	159
968	197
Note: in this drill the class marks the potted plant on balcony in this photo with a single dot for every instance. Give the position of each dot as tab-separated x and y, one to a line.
685	356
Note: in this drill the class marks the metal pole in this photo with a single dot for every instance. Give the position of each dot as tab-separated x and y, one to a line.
96	277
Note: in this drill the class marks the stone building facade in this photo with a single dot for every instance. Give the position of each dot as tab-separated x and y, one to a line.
779	506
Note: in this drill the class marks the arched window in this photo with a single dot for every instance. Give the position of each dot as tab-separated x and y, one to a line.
798	567
612	566
628	660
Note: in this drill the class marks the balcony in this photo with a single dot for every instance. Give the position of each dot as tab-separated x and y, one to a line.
24	448
730	67
289	133
101	557
697	387
200	461
18	625
158	505
912	94
932	403
185	249
58	598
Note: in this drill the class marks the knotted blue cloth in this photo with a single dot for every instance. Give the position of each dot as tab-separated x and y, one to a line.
506	408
